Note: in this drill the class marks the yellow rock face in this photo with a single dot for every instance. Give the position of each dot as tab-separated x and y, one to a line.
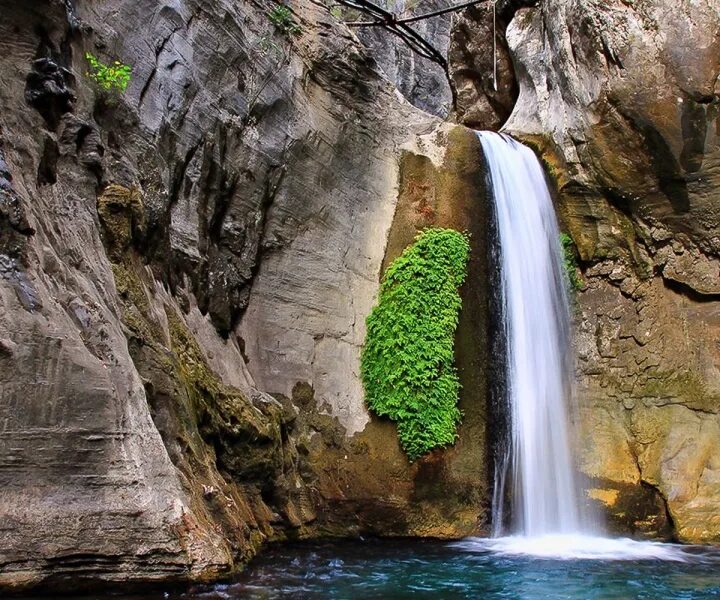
607	497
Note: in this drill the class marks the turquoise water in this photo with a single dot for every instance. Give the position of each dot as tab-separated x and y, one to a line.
424	570
437	570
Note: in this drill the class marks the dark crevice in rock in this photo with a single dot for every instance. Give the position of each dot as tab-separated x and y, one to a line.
477	104
223	284
671	527
630	508
507	8
230	244
47	90
641	506
227	190
619	200
688	291
47	169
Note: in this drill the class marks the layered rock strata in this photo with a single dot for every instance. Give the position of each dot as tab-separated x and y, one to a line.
185	272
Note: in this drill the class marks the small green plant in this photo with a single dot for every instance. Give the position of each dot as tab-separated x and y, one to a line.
570	263
408	361
281	16
270	47
342	12
113	77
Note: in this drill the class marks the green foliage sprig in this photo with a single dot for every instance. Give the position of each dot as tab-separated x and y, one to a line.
570	263
281	16
408	361
115	76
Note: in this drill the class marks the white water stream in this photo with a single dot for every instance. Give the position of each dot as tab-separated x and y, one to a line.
545	500
544	495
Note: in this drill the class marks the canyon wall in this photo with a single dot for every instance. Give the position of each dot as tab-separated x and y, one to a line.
186	268
423	82
621	99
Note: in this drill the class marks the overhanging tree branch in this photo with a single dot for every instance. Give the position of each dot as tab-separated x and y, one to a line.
390	21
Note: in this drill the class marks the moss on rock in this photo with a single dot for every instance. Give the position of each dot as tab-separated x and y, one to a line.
122	216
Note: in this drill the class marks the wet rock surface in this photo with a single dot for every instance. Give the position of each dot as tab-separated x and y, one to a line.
621	100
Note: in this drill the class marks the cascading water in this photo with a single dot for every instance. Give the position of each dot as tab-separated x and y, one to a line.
544	496
535	461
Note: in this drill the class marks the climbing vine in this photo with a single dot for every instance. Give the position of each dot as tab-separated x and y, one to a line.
408	364
570	263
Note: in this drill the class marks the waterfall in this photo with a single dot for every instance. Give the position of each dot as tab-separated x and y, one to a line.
533	461
536	460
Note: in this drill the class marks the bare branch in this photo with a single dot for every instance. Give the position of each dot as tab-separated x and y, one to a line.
443	11
391	22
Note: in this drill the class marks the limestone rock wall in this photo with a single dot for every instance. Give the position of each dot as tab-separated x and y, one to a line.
481	66
303	332
622	99
185	270
423	82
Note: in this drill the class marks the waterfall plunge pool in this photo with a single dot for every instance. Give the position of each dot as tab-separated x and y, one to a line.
486	569
473	568
483	569
563	553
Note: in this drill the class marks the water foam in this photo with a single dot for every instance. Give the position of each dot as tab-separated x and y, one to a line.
577	547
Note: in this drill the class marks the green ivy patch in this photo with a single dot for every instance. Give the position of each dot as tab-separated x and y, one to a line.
570	263
408	362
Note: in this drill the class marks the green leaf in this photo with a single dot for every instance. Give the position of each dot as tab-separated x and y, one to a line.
115	76
407	363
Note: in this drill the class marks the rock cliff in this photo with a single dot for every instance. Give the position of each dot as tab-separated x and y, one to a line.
186	270
423	82
622	99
